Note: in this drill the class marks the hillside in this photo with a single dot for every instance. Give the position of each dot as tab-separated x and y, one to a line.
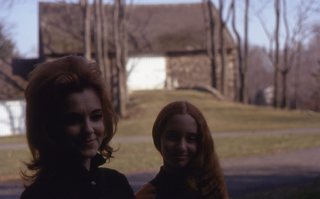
222	116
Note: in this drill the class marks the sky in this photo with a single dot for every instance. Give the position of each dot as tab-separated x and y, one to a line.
21	21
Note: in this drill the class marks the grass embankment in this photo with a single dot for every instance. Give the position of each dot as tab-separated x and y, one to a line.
221	116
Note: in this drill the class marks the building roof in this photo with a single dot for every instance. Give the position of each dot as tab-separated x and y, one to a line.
12	86
151	28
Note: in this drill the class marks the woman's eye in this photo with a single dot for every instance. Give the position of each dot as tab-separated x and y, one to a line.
172	136
72	119
192	138
96	116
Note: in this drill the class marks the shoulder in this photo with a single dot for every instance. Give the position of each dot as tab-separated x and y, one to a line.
116	184
112	174
147	191
27	193
35	190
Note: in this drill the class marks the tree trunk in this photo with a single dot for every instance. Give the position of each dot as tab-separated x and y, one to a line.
104	43
284	75
210	37
246	49
287	64
222	49
86	27
120	46
98	36
276	56
239	54
297	78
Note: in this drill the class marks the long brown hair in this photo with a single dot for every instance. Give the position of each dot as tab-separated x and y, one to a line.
48	86
206	173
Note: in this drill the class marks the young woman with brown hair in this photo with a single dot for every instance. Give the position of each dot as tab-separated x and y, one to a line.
191	169
70	122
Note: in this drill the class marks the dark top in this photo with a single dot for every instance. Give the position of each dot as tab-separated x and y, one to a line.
78	183
171	186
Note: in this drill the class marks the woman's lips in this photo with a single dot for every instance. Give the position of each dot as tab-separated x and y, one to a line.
181	157
89	141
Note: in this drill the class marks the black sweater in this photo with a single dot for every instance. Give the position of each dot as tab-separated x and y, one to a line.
168	185
78	183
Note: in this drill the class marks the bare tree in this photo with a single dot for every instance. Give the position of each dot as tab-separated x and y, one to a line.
273	51
259	73
6	45
276	52
242	56
104	41
287	63
98	34
86	11
315	97
101	42
121	54
239	52
246	49
222	48
309	73
297	75
270	36
292	44
210	37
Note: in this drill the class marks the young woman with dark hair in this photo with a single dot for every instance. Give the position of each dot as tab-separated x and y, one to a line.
70	122
191	169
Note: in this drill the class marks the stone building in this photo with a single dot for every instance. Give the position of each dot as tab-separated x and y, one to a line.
12	105
173	32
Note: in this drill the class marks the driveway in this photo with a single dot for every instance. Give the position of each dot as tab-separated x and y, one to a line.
254	174
243	175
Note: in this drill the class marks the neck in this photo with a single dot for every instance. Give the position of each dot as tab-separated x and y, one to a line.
175	171
87	163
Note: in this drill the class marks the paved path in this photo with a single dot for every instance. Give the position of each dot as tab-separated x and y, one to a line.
244	175
248	175
293	131
148	138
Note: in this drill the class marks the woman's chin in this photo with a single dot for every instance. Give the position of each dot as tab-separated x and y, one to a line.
89	150
89	153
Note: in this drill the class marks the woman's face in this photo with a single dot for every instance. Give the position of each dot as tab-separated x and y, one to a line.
179	142
83	122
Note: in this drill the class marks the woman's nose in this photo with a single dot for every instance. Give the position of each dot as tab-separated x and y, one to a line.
182	145
88	127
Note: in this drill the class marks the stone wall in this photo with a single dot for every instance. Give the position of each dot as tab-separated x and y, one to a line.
194	70
188	71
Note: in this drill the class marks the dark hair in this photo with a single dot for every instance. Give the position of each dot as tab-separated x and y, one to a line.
206	173
49	84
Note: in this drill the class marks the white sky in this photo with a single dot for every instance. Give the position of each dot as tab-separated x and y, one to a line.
21	21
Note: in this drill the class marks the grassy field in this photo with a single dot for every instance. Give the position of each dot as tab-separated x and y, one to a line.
142	156
222	116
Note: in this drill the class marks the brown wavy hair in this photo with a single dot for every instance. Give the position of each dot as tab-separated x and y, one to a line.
206	174
49	84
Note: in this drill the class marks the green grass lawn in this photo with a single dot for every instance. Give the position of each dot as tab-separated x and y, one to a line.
138	157
134	157
221	115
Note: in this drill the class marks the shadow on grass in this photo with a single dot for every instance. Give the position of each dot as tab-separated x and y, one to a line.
273	186
255	186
